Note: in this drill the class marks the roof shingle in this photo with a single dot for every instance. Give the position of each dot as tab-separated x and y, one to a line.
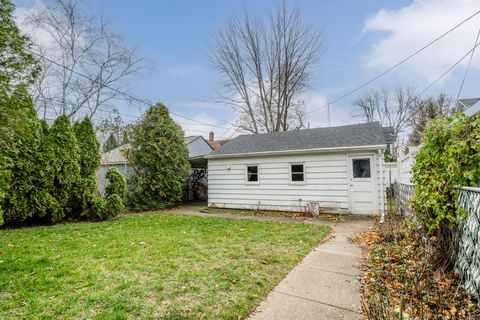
357	135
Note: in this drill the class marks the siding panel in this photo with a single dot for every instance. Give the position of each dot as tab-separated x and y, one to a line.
326	182
325	174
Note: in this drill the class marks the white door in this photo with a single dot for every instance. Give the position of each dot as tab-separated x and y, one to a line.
361	178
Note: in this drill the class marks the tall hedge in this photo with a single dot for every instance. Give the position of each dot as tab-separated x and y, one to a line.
21	137
86	189
65	164
89	147
47	174
159	157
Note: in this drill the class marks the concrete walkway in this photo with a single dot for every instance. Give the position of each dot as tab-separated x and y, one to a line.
324	285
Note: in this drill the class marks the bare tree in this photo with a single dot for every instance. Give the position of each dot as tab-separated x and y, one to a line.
266	67
92	60
432	108
390	109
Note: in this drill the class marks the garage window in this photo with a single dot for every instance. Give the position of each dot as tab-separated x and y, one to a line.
252	173
361	168
297	172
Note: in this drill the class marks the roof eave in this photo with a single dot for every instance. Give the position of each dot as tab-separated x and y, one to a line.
300	151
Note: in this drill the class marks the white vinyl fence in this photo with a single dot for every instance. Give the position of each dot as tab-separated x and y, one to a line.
467	263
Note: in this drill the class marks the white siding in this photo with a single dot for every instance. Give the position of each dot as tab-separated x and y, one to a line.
326	182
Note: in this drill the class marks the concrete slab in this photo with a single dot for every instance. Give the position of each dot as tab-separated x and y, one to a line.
340	248
333	262
326	287
286	307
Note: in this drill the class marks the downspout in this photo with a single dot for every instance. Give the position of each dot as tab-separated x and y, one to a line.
382	187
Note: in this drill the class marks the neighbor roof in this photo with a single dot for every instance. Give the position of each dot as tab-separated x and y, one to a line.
471	106
115	156
469	102
190	139
217	143
389	134
357	135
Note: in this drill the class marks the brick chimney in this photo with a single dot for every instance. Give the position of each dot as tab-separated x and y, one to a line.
211	136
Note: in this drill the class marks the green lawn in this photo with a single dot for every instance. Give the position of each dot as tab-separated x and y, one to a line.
147	266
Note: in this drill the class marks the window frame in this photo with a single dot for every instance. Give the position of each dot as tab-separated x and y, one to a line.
258	173
290	173
353	169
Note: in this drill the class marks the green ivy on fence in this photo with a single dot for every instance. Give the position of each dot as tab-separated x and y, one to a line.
448	158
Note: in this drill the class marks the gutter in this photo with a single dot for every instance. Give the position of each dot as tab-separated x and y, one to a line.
295	151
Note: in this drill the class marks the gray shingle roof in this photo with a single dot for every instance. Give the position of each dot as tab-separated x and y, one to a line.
190	139
469	102
389	134
357	135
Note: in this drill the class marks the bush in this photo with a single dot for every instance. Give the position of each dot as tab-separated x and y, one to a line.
116	183
159	158
449	158
103	209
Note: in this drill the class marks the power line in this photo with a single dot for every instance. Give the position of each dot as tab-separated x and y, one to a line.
395	65
431	84
129	96
468	67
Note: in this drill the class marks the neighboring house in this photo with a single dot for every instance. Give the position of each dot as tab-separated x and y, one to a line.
471	106
390	137
113	158
336	169
197	146
215	144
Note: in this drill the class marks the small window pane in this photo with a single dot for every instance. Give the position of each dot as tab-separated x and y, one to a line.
297	176
297	172
361	168
252	173
297	168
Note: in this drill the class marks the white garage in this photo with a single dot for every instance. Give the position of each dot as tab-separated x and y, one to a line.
335	169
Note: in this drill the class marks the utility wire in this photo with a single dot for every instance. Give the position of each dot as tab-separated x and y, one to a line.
129	96
468	67
395	65
431	84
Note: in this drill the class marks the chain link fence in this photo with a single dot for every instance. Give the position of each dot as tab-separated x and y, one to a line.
467	263
468	259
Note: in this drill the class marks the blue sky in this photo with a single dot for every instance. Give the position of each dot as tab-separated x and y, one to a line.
361	38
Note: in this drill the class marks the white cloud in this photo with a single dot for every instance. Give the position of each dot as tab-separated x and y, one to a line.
183	70
403	31
38	36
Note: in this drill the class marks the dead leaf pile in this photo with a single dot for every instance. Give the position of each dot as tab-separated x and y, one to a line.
400	283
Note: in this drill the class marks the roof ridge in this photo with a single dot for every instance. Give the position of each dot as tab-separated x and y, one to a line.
310	129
